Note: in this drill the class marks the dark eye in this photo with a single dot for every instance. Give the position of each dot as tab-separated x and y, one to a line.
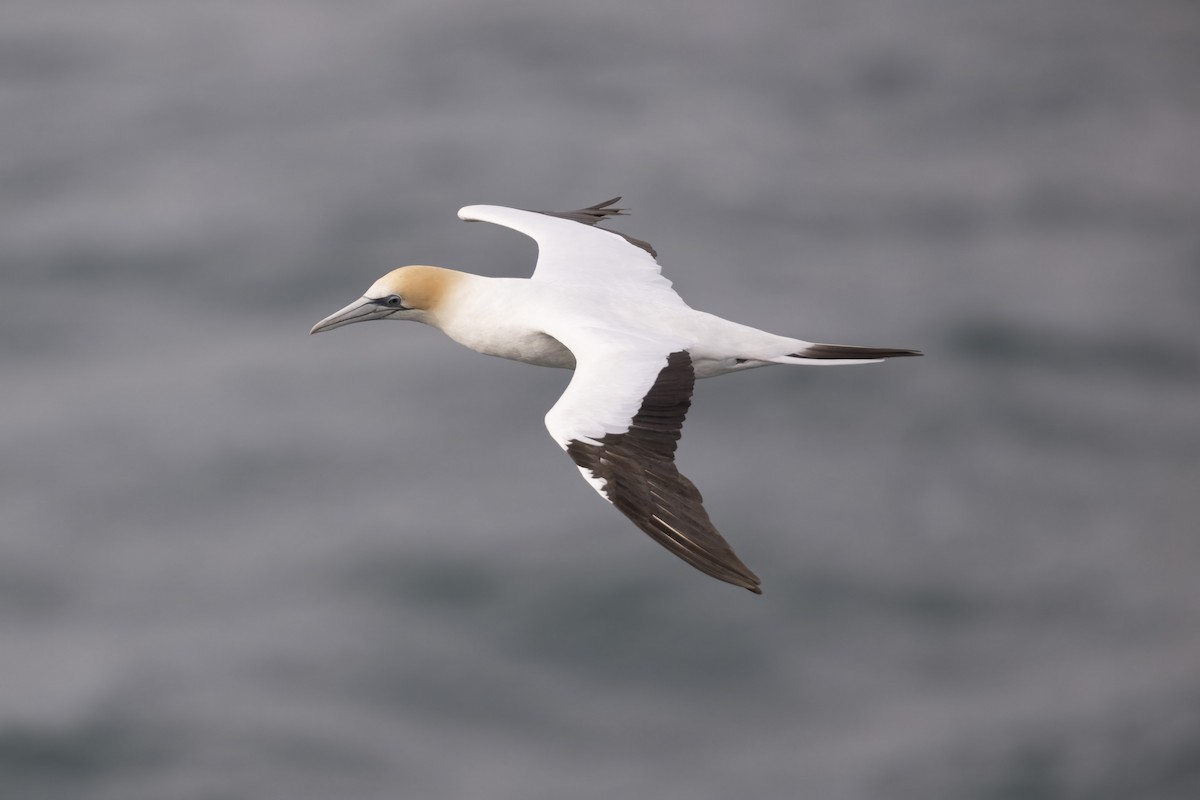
392	301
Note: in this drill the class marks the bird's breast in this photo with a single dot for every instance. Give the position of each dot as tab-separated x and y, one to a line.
535	348
516	343
502	317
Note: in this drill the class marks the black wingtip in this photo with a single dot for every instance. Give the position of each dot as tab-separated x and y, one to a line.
604	207
592	215
637	474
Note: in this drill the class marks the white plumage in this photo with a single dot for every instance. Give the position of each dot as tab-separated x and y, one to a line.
597	302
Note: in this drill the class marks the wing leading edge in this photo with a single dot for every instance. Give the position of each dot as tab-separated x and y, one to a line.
571	246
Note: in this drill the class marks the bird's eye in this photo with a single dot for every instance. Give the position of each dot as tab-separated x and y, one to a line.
392	301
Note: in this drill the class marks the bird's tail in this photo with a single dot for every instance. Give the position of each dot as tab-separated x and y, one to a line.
835	354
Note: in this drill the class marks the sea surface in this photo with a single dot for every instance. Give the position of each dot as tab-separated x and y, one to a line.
240	562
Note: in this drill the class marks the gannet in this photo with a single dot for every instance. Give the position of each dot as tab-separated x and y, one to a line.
597	303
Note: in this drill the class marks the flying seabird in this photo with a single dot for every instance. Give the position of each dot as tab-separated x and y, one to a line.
597	303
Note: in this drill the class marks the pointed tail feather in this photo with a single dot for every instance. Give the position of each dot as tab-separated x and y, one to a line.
822	352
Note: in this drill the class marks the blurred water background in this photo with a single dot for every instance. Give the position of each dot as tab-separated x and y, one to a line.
239	562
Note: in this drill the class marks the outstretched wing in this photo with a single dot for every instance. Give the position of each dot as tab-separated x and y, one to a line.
619	420
572	248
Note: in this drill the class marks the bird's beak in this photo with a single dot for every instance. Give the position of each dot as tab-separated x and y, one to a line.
360	310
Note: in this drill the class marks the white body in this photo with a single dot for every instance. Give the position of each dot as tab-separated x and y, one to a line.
597	303
516	318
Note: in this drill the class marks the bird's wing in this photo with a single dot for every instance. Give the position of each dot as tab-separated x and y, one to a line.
571	248
619	420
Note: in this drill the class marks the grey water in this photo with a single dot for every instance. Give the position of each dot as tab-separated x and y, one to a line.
237	561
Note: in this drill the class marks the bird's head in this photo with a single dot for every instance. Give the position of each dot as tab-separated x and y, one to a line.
406	293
